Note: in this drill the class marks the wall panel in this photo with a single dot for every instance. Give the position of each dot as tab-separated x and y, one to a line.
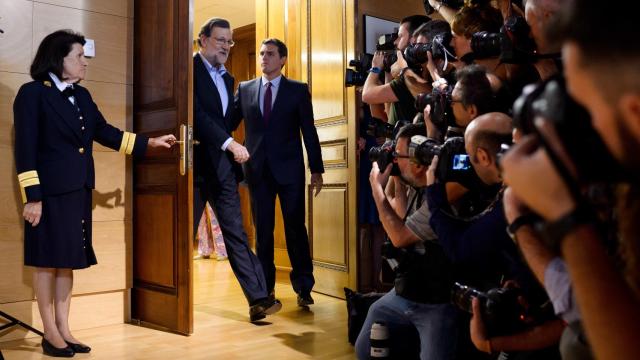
121	8
108	31
15	43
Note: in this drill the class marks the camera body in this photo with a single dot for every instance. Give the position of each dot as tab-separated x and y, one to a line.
441	110
440	48
572	123
501	309
512	44
358	75
454	165
383	155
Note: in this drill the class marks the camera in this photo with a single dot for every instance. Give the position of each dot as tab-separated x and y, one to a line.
384	155
440	48
501	310
550	102
386	42
441	110
380	129
358	75
454	165
512	44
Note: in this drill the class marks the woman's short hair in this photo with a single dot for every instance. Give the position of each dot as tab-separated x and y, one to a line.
474	18
51	53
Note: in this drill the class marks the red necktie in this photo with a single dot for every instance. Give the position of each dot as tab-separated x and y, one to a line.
266	107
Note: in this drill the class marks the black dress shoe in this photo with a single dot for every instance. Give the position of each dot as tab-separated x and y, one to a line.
79	348
261	309
305	299
49	349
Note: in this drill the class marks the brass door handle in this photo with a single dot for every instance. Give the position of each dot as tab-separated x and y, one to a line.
183	149
186	148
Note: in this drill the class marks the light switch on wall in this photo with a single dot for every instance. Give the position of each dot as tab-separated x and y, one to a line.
89	48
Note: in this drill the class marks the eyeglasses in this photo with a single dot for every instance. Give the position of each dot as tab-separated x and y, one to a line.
223	41
398	156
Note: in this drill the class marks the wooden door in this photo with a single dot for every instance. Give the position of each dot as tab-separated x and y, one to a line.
162	293
321	40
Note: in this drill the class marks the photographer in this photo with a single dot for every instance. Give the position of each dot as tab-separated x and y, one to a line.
420	298
437	68
607	296
472	95
538	13
481	250
394	91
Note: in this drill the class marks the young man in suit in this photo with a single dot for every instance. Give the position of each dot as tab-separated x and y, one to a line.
217	161
276	110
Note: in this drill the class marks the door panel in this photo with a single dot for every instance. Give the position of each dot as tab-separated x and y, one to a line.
162	252
320	37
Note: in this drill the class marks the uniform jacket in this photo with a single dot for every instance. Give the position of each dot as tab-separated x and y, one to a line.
54	142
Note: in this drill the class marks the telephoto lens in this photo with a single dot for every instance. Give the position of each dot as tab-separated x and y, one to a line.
379	340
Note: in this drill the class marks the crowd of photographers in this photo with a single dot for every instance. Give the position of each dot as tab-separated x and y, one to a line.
507	185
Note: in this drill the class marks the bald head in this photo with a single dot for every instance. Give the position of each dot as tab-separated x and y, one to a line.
489	131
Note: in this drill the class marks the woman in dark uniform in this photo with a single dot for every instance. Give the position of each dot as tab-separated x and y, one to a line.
56	122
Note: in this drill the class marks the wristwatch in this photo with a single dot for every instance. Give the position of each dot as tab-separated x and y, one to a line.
375	70
554	232
520	221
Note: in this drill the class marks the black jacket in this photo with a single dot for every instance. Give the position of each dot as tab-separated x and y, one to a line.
54	142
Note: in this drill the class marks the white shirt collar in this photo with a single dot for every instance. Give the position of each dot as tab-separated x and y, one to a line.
274	83
220	70
61	85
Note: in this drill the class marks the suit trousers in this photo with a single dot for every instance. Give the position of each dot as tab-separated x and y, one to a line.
292	201
222	193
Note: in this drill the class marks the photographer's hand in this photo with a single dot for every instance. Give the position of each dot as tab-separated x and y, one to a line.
513	207
432	131
377	178
431	171
477	329
431	67
400	64
378	60
523	167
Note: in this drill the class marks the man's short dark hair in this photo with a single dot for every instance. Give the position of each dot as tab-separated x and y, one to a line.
414	22
432	28
282	48
51	53
209	25
410	130
608	40
475	88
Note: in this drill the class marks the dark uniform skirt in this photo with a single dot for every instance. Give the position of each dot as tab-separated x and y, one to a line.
62	239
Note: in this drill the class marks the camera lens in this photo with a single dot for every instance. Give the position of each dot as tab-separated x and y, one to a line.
485	44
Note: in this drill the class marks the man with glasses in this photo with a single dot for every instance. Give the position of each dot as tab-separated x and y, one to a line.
472	95
217	161
420	300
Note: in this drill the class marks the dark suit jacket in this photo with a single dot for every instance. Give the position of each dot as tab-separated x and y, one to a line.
211	127
278	143
54	155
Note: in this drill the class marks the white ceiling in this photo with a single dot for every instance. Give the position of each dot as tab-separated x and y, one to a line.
238	12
